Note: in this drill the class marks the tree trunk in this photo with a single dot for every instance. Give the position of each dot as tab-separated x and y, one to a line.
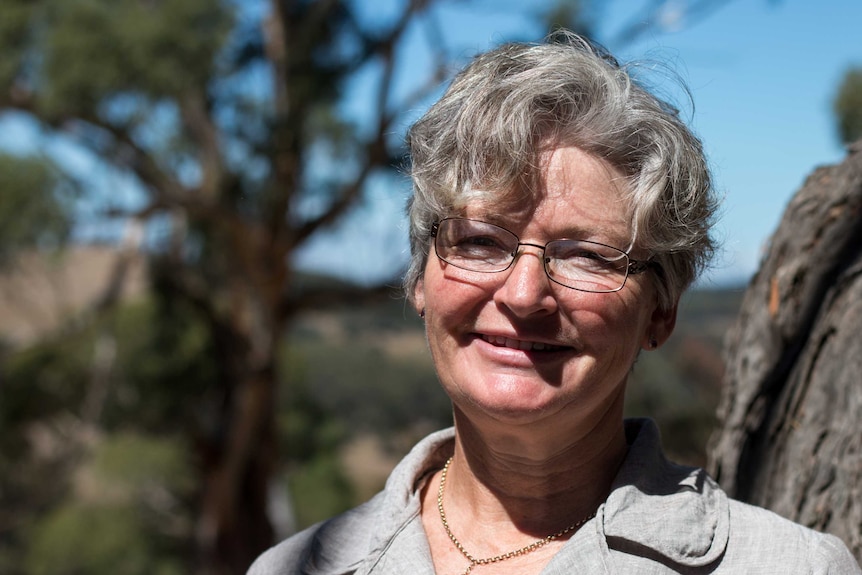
234	525
790	437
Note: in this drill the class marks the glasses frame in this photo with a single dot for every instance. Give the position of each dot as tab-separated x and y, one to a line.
632	267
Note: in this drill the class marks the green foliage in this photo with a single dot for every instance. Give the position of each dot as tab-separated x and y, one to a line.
365	386
848	106
124	503
96	454
343	373
573	15
139	466
305	428
683	404
154	49
162	370
320	490
679	385
348	372
82	538
32	213
132	488
42	381
126	517
166	368
38	387
375	372
14	32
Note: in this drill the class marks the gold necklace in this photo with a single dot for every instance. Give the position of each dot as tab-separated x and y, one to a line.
497	558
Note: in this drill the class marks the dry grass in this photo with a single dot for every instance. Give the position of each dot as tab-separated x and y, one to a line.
40	292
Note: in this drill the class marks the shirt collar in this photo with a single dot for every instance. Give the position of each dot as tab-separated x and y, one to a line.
674	514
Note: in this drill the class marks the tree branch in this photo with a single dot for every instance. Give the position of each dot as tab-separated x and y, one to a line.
649	19
376	153
196	112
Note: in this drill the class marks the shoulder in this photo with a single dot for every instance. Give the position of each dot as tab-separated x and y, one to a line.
680	517
334	546
341	544
760	537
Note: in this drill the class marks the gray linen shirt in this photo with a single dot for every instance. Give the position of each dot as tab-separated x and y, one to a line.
659	518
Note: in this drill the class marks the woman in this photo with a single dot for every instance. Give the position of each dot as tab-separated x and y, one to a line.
559	212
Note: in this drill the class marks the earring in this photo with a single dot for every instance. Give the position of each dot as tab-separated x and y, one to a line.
653	343
422	313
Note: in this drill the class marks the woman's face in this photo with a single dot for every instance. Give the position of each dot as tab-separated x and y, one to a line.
514	346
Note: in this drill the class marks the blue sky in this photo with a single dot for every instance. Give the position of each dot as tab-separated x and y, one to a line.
763	77
762	74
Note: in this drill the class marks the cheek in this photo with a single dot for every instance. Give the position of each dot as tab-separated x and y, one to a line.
608	322
451	310
452	293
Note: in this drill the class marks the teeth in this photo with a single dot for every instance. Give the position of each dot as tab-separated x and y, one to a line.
519	344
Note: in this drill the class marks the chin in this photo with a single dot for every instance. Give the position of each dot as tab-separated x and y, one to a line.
518	400
512	408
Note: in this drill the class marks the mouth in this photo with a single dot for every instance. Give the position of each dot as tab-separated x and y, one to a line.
522	345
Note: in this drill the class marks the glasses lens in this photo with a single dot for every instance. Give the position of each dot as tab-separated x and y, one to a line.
482	247
474	245
586	266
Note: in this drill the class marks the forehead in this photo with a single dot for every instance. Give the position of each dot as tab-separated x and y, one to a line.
569	174
575	194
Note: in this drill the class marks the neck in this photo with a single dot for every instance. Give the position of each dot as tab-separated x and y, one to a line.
539	480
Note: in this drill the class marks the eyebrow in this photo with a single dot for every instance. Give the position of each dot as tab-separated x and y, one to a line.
483	213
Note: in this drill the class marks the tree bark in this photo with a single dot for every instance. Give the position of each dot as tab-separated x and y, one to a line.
789	435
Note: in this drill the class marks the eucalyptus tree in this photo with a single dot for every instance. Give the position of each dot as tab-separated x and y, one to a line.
223	120
226	123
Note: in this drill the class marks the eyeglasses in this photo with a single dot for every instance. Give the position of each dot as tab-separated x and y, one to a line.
578	264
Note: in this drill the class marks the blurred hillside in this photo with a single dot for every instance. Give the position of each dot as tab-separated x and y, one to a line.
41	292
368	365
98	407
371	367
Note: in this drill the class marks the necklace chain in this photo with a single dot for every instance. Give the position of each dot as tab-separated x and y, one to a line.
502	557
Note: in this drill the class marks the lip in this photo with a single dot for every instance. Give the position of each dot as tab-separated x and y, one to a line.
523	345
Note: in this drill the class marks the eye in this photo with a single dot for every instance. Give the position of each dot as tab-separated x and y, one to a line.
585	256
476	241
588	259
480	246
481	241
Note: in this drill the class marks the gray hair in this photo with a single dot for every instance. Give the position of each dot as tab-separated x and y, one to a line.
512	103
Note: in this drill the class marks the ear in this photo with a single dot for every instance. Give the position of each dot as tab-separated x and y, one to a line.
419	297
660	327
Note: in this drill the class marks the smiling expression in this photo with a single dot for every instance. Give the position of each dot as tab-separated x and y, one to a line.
514	346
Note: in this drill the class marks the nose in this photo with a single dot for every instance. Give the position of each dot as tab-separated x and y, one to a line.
527	290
